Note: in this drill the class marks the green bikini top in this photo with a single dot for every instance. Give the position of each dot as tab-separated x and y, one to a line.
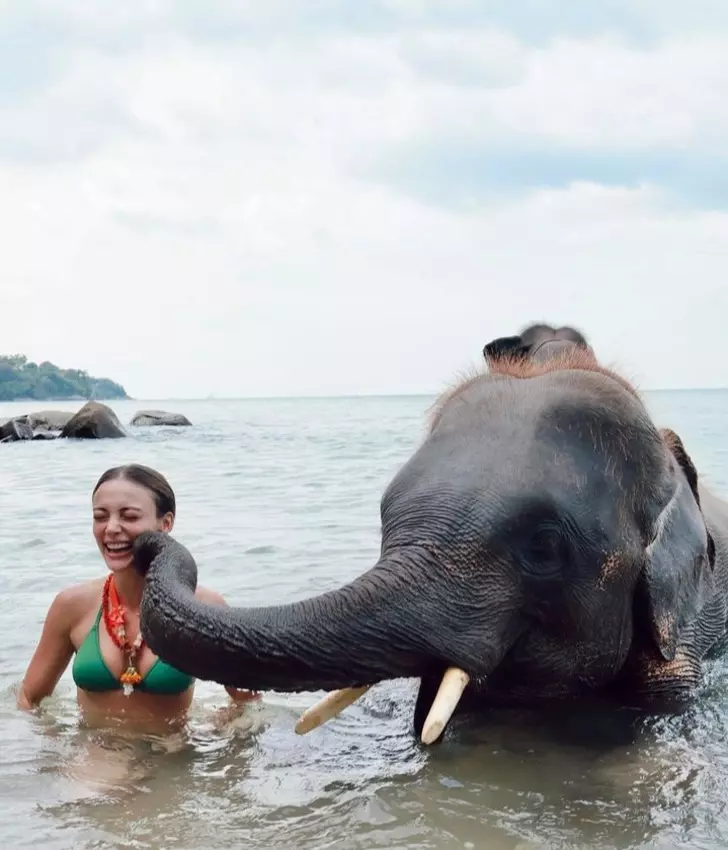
91	673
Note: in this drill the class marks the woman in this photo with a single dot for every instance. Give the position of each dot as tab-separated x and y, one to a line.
116	674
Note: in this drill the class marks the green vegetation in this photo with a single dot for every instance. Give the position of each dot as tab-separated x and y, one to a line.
23	379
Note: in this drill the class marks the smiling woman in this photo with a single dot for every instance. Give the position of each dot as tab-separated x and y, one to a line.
116	674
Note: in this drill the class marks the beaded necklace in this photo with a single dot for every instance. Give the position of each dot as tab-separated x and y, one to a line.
114	613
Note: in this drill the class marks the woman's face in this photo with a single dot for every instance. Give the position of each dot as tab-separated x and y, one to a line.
122	510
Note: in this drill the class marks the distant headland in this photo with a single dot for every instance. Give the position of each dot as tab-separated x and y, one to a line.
21	379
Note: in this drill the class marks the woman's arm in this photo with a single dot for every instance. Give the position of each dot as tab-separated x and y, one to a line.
53	652
238	695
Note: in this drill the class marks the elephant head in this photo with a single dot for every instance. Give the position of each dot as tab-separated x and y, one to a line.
542	529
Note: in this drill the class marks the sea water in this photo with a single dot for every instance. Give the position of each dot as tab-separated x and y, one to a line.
279	500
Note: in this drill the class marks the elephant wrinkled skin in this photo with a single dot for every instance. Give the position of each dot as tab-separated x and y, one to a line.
546	539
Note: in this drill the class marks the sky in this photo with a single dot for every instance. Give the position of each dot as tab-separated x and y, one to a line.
236	198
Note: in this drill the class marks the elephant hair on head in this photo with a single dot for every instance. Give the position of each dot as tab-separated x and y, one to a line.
540	341
507	366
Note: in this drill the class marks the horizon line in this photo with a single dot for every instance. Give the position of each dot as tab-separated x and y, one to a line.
330	396
314	397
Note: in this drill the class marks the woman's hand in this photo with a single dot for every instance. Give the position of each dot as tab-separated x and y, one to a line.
239	696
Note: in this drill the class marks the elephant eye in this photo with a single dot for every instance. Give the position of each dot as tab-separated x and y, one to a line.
547	551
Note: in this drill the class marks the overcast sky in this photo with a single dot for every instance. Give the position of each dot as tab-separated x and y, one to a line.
318	197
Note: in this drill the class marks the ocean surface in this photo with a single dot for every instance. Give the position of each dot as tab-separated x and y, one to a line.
278	500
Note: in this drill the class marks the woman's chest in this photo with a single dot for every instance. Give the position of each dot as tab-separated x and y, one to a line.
117	648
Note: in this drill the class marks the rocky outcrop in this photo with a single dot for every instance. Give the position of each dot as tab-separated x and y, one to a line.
16	429
26	427
94	421
159	417
49	420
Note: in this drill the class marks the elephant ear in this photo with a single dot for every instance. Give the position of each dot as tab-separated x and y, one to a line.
678	579
506	346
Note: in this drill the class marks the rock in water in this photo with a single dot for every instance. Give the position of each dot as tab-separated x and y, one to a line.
159	417
49	420
16	429
94	421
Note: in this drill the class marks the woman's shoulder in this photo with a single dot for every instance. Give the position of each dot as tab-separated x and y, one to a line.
75	600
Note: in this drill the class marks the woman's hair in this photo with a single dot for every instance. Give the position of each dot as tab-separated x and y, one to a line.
148	478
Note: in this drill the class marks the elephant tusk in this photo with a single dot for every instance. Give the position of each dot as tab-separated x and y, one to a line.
451	689
331	705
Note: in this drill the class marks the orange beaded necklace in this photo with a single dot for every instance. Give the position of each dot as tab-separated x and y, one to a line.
114	613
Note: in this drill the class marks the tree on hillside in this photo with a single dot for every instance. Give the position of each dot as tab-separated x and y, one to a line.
21	378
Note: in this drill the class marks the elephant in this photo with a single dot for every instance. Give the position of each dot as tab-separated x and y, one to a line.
94	421
545	544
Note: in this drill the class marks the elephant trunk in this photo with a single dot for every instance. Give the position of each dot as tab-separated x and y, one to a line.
378	627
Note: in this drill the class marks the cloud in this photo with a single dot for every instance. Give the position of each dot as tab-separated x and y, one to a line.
534	22
294	198
577	111
444	173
